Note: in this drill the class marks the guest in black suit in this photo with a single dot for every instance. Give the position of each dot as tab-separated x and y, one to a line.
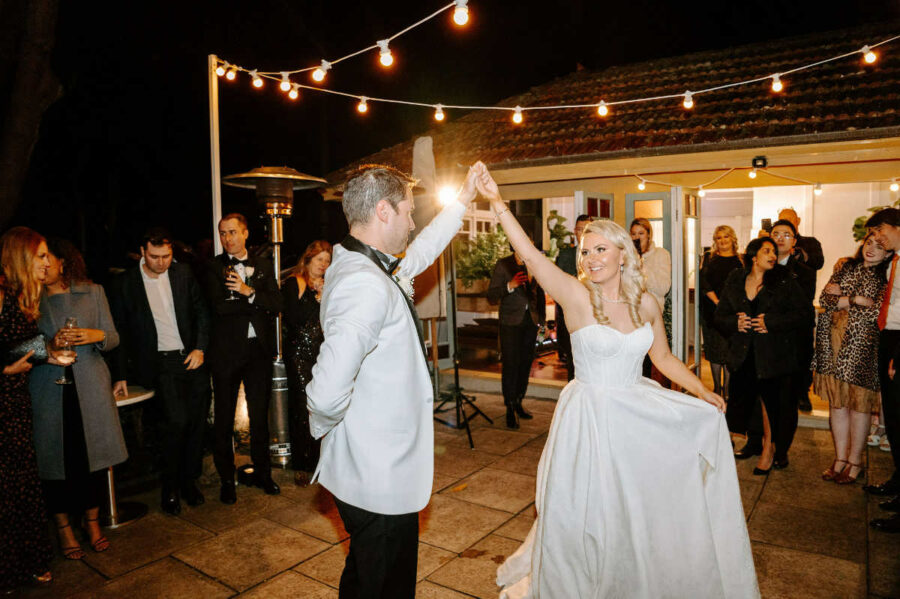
808	249
567	260
245	301
521	313
163	325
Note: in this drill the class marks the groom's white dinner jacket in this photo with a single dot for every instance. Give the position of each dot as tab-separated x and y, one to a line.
370	394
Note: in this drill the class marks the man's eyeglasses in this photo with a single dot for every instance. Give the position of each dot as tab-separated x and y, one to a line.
782	236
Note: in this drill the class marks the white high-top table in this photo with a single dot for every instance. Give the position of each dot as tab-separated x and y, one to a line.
125	512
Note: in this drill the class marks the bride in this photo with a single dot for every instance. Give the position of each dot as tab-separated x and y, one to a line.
637	493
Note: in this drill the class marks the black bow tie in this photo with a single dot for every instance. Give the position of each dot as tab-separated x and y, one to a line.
234	261
390	263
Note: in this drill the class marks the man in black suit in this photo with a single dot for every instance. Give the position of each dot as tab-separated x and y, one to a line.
163	324
567	260
522	309
245	301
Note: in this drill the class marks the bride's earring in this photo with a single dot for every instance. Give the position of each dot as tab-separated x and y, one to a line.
621	268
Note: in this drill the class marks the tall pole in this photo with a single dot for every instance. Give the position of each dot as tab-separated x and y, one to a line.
215	165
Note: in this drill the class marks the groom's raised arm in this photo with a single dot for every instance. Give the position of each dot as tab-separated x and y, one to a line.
429	244
353	315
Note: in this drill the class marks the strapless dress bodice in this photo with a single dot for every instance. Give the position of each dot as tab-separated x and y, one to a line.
606	356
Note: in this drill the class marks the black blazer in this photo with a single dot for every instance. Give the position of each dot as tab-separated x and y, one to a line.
231	319
523	298
810	252
135	358
786	310
805	275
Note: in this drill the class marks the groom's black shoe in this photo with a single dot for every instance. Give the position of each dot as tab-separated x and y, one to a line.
751	448
521	413
267	484
227	493
511	420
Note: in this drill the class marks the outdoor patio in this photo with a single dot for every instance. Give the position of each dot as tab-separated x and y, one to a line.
810	538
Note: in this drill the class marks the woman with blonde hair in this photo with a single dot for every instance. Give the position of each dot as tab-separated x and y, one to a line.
614	517
302	292
722	259
25	550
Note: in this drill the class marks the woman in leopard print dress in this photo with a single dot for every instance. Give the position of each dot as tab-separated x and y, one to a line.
845	363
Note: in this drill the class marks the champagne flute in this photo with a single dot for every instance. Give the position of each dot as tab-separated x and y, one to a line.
65	353
232	295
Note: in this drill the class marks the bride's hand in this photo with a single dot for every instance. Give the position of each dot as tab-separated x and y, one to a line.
712	398
486	185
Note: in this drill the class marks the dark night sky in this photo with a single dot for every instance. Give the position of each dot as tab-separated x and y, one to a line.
127	145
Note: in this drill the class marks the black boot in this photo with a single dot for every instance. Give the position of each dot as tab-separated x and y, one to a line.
511	420
521	413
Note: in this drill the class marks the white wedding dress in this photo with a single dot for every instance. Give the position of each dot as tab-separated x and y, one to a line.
637	492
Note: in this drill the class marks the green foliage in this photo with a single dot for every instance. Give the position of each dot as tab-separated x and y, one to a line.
475	258
558	234
859	225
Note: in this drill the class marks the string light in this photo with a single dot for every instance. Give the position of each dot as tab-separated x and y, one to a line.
868	55
362	107
461	12
285	81
701	192
642	185
688	100
602	108
517	115
817	189
894	185
257	80
446	195
231	74
295	91
439	113
777	86
385	56
220	70
752	174
319	74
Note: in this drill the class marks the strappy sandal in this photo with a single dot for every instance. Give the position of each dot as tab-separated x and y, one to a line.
844	477
99	545
72	552
832	472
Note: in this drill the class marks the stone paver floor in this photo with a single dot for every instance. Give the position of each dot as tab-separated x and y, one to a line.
810	538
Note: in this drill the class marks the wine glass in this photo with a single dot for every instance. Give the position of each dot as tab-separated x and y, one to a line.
65	353
232	295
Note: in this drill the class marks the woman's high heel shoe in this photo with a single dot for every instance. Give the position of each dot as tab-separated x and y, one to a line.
761	472
833	472
101	543
844	477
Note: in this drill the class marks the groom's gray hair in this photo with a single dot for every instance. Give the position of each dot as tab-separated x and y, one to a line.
369	184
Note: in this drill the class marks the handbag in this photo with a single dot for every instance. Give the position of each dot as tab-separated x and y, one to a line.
38	344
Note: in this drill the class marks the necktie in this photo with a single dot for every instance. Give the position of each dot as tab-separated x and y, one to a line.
886	302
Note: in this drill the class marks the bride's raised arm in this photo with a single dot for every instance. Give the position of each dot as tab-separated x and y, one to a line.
561	286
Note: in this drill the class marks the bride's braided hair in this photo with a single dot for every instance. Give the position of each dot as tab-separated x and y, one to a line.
633	285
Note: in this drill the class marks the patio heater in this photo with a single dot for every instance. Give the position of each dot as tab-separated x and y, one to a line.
275	187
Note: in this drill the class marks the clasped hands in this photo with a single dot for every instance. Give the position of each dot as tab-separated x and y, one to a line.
858	300
745	323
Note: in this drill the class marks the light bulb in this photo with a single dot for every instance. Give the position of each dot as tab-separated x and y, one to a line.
295	91
517	115
285	81
439	113
319	74
385	56
688	100
220	70
602	108
257	80
752	174
461	13
868	55
231	74
701	192
362	106
777	86
817	189
895	186
642	186
446	195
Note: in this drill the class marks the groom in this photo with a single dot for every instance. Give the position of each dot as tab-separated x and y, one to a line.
370	398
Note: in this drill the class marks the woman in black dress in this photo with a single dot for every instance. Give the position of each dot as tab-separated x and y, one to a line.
25	550
759	312
722	259
302	337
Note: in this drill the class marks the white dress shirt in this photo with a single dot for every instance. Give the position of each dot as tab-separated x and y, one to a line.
162	306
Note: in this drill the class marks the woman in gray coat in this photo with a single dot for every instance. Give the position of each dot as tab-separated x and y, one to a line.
77	433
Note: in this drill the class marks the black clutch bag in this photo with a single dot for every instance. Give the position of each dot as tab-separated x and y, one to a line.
38	343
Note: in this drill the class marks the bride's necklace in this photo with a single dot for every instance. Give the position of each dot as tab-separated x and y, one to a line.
612	301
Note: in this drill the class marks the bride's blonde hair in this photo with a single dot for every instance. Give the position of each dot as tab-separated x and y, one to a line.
632	277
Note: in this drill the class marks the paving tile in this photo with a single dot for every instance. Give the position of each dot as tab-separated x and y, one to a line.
69	578
453	524
218	517
294	492
164	579
430	559
146	540
429	590
496	489
536	445
475	570
290	585
806	530
496	441
519	527
441	482
317	517
522	461
791	574
244	556
457	461
327	566
804	488
814	437
884	561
